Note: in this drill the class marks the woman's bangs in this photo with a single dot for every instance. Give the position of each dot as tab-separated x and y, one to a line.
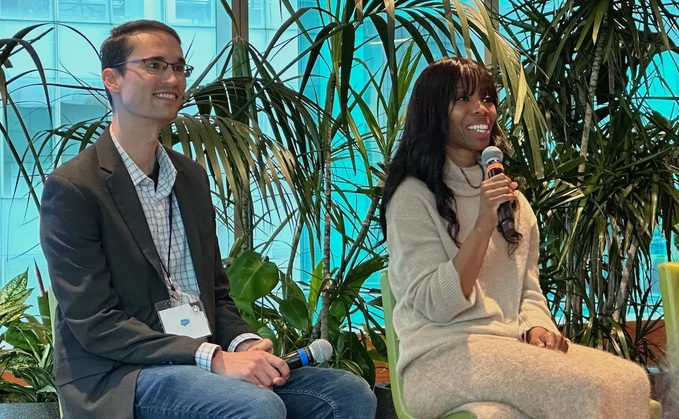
476	79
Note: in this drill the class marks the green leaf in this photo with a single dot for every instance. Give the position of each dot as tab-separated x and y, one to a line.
267	333
21	336
294	311
252	277
15	289
12	300
315	289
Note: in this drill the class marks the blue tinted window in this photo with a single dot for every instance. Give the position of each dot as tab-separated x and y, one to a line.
26	9
70	59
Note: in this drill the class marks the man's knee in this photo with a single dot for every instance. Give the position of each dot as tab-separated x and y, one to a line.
162	391
259	403
265	404
348	395
362	396
327	393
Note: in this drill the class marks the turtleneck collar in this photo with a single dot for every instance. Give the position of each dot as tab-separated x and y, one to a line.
454	177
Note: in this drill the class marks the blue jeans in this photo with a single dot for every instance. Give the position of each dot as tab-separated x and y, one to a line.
186	391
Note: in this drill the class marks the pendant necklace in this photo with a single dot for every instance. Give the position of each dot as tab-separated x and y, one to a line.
467	179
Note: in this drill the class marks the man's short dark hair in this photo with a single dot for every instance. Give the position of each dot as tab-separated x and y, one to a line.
117	47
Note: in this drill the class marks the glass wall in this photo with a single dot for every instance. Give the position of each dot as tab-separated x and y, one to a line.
204	28
182	12
69	56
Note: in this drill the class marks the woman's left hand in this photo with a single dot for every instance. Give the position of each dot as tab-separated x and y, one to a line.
543	338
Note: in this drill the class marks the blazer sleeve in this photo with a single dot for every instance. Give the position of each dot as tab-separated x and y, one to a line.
71	239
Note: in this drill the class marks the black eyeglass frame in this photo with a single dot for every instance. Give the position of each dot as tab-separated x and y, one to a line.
187	70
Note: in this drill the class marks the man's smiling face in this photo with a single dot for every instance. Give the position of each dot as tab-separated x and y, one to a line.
153	98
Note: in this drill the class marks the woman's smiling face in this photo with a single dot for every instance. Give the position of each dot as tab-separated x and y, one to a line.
471	119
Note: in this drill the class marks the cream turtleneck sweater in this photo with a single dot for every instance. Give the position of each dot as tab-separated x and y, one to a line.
431	309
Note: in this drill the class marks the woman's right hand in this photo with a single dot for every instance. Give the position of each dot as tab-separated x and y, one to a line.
467	262
494	191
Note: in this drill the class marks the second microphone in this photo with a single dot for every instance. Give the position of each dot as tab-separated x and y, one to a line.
318	351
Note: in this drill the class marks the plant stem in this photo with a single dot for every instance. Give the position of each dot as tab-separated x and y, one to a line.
327	192
623	291
589	105
365	227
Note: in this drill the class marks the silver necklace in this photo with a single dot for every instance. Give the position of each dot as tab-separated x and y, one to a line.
467	179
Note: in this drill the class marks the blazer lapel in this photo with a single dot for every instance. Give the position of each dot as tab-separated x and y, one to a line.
182	190
125	197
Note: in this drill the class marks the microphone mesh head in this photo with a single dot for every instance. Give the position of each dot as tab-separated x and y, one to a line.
491	154
321	350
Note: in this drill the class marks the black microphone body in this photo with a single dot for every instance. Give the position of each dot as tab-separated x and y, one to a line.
492	160
318	351
299	358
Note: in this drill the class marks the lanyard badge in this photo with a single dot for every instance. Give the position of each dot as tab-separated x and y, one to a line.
184	320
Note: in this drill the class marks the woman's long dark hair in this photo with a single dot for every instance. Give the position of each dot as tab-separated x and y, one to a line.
421	152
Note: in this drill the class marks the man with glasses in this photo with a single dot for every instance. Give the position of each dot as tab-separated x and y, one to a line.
145	326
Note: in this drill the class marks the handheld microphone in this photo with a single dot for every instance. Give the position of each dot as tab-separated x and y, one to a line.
492	161
318	351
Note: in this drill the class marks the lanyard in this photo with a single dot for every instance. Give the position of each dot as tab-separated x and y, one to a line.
166	268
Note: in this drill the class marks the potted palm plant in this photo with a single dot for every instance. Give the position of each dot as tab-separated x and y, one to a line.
605	179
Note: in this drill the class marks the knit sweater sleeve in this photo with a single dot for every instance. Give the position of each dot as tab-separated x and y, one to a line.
422	274
534	311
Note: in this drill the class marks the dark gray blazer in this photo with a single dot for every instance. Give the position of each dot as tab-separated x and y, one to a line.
106	276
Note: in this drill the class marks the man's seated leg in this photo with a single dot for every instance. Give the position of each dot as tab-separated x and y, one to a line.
327	393
186	391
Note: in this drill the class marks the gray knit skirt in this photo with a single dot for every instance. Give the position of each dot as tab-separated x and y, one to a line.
496	377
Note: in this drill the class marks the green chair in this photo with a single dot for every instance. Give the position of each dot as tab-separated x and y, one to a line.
669	290
388	302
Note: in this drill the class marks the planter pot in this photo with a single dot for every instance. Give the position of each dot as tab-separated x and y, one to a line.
29	410
385	402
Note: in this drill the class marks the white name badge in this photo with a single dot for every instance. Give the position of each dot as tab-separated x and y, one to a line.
185	320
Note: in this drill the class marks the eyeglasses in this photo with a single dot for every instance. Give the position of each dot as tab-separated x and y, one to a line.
158	66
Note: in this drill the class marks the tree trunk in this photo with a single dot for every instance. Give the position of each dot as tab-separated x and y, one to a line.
623	291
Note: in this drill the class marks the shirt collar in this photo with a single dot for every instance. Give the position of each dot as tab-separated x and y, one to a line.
166	175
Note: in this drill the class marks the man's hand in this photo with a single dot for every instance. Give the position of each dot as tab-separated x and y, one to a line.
255	345
254	363
543	338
